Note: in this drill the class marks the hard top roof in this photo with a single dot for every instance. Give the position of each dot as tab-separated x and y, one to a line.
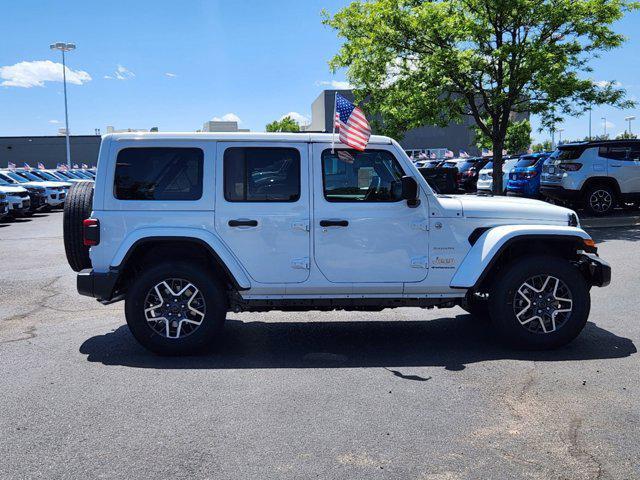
239	137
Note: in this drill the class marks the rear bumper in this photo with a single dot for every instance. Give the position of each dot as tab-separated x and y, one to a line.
559	192
97	285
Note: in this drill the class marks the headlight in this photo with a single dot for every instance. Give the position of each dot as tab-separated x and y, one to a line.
573	220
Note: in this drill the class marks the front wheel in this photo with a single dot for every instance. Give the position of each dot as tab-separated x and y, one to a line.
540	302
176	308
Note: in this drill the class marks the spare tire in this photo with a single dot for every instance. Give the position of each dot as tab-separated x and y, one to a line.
77	208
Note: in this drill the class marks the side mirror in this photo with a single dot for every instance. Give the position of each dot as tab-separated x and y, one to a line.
410	191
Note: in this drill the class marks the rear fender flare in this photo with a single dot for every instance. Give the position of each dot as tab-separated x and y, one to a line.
213	242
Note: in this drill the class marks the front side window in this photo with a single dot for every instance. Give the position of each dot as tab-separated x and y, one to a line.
369	176
159	173
261	174
634	153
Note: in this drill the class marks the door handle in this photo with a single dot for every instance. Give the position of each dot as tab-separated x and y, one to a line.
243	223
334	223
615	165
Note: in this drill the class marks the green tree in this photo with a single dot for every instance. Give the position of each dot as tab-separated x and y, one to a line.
517	139
626	136
287	124
545	146
426	61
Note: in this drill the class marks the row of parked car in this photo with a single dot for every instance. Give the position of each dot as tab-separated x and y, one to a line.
597	176
26	191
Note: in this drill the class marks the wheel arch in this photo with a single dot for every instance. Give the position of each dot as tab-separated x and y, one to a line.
498	245
601	180
143	247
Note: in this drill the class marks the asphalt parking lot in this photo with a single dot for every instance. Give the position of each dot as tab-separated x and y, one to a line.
408	393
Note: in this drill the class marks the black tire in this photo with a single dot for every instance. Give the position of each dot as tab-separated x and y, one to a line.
198	341
600	200
502	300
77	208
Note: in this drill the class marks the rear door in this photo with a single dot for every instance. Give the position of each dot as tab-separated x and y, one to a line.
619	165
363	231
262	208
633	169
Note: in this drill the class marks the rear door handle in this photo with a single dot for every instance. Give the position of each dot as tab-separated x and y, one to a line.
334	223
615	165
241	222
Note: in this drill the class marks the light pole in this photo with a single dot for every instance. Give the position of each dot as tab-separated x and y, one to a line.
628	119
560	130
604	125
65	47
589	123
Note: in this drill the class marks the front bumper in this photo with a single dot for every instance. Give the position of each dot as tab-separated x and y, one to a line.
596	269
97	285
559	192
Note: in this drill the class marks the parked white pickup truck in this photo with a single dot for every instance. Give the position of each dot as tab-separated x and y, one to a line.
186	227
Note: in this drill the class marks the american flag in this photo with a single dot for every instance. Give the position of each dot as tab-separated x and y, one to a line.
11	166
345	156
40	166
463	154
448	154
26	166
85	166
352	125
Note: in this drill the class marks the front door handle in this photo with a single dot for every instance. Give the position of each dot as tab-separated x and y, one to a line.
334	223
616	165
243	223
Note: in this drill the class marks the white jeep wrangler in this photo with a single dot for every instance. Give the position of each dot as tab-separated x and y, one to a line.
186	227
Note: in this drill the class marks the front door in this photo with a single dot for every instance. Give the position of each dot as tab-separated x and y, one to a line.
363	231
262	208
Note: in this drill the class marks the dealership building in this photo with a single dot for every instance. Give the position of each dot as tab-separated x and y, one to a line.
51	150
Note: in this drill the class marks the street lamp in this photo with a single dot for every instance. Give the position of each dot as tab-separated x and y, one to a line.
628	119
560	130
604	125
65	47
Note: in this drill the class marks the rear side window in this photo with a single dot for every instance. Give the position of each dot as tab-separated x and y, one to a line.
634	153
255	174
614	152
159	174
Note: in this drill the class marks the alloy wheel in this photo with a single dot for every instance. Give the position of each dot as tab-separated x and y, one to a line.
600	201
174	308
543	304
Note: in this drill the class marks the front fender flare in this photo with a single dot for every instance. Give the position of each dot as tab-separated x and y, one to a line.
489	245
230	262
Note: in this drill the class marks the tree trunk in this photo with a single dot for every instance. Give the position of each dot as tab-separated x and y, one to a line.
497	168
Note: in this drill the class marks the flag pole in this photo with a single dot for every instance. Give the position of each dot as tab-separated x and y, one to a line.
333	119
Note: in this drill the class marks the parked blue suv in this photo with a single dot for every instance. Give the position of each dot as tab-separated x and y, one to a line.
524	179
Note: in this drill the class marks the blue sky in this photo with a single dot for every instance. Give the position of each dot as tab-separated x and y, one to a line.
175	64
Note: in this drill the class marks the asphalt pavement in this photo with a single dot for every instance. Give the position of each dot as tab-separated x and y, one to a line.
400	394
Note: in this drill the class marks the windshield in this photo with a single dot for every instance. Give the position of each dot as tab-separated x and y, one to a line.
47	176
30	176
526	162
73	175
16	177
83	175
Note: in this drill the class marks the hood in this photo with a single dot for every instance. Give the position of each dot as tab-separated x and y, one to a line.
9	189
513	208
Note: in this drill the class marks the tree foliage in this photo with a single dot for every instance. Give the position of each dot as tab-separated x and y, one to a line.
545	146
517	139
425	61
287	124
626	136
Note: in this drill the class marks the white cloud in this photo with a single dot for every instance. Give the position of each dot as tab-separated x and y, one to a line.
171	75
606	83
228	117
121	73
54	122
336	84
37	72
298	117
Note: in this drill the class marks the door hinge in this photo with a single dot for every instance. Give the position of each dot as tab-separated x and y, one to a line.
300	263
419	262
422	225
302	225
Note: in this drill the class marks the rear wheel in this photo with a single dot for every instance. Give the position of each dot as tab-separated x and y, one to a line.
175	308
540	302
77	208
600	200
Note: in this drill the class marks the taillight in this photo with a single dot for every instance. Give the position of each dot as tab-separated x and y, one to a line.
530	174
90	232
570	167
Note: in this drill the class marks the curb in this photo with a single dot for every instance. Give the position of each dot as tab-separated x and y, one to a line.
610	222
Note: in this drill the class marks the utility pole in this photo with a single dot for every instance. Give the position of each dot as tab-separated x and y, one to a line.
604	125
628	119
